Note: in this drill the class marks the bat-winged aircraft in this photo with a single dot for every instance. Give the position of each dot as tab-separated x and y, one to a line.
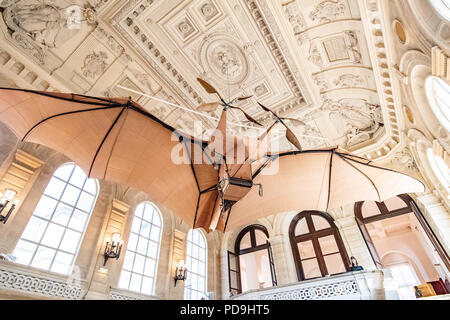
217	184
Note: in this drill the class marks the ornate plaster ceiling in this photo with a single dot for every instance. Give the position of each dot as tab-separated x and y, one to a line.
321	61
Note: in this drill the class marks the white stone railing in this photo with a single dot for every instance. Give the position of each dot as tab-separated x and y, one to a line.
16	280
122	294
359	285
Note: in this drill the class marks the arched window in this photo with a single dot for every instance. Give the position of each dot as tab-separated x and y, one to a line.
442	7
196	264
53	235
251	267
141	257
317	246
439	165
438	95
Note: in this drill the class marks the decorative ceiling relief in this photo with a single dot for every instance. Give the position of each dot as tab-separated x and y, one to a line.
40	26
327	10
357	119
295	56
222	56
348	80
94	64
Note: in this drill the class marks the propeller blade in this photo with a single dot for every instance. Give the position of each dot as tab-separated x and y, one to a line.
208	107
292	138
267	131
243	98
249	118
209	88
295	121
265	108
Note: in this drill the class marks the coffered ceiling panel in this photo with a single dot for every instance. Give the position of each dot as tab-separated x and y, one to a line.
321	61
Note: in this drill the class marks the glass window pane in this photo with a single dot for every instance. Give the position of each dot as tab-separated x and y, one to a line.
245	242
70	241
320	223
64	171
43	258
306	249
139	210
142	246
311	268
24	251
149	267
124	281
261	237
328	245
62	214
334	263
145	229
78	220
135	284
78	177
154	234
138	265
147	286
91	186
156	220
45	207
395	203
148	212
301	227
53	235
128	261
132	242
55	188
85	202
62	263
35	229
70	195
152	249
369	209
136	225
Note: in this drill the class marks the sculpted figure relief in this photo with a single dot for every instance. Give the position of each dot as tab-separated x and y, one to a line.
37	26
358	120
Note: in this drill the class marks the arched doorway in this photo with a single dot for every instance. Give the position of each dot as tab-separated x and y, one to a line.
397	225
317	245
251	265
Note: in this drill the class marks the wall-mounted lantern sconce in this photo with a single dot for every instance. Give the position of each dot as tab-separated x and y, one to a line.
5	200
113	247
180	272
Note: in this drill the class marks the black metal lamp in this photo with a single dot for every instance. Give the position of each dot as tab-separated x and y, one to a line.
180	272
5	200
113	247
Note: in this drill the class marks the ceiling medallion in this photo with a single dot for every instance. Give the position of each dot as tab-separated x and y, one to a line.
225	59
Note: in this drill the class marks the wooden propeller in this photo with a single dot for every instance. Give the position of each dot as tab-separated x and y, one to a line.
212	106
290	136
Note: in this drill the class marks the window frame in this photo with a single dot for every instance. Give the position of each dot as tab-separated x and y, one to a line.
66	227
433	100
314	236
189	272
135	252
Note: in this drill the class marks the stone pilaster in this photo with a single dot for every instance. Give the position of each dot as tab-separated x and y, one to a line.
103	274
281	260
354	241
437	215
178	253
18	174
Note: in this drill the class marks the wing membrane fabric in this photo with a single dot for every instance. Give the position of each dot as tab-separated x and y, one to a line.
303	181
